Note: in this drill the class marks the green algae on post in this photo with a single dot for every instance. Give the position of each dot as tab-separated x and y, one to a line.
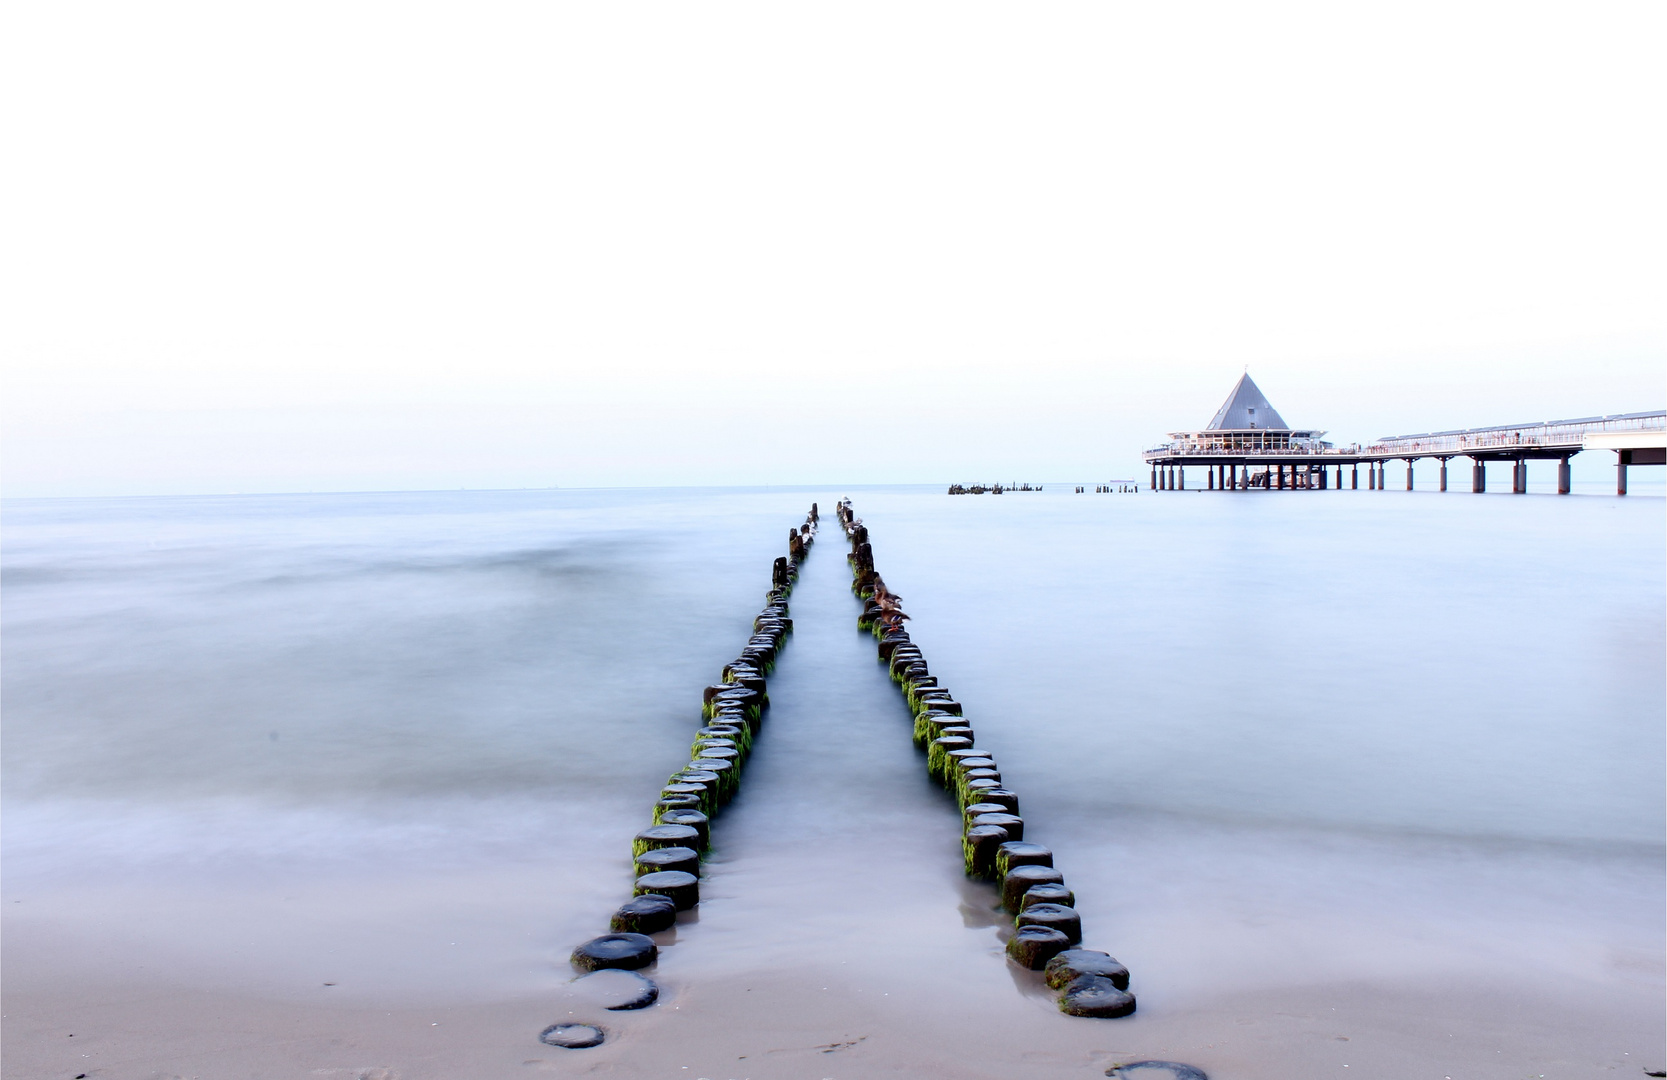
629	951
669	858
648	914
1031	947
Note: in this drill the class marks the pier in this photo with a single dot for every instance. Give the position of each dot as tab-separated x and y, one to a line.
1248	446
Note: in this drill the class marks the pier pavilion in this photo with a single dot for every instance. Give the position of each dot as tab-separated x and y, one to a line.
1247	445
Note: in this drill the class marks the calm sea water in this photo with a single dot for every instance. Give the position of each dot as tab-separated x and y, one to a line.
400	742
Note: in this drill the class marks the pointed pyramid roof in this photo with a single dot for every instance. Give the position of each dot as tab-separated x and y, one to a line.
1246	407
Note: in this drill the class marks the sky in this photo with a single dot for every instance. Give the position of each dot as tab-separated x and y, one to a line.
358	246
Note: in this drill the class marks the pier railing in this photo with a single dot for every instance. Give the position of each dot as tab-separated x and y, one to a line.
1550	433
1241	452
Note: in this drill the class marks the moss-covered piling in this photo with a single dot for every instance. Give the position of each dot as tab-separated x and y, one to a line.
664	836
681	888
1016	853
1055	917
627	950
978	847
685	859
644	915
1075	963
1020	880
1031	947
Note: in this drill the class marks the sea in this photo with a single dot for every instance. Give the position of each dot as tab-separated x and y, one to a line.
398	744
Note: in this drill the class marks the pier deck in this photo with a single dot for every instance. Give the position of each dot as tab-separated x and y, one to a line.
1636	438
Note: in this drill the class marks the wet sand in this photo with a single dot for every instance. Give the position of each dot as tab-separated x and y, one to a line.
823	1023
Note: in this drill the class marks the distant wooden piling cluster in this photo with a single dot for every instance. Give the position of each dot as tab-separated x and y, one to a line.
668	853
1047	933
990	489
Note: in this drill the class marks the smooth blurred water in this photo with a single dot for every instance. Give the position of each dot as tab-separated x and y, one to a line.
261	740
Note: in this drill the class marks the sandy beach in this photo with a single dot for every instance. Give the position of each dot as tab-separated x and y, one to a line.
821	1023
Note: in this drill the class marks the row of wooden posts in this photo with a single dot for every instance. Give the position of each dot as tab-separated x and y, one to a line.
1047	933
668	853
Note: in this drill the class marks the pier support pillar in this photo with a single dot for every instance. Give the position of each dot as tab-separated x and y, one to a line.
1371	476
1563	476
1354	477
1210	480
1620	471
1383	476
1409	474
1323	477
1443	474
1180	478
1519	477
1153	486
1478	477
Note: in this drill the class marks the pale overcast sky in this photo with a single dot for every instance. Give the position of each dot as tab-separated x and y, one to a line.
310	246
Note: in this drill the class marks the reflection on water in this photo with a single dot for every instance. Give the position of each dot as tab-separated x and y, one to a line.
1315	735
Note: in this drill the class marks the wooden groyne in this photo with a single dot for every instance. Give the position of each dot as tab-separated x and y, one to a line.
990	489
668	853
1047	934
